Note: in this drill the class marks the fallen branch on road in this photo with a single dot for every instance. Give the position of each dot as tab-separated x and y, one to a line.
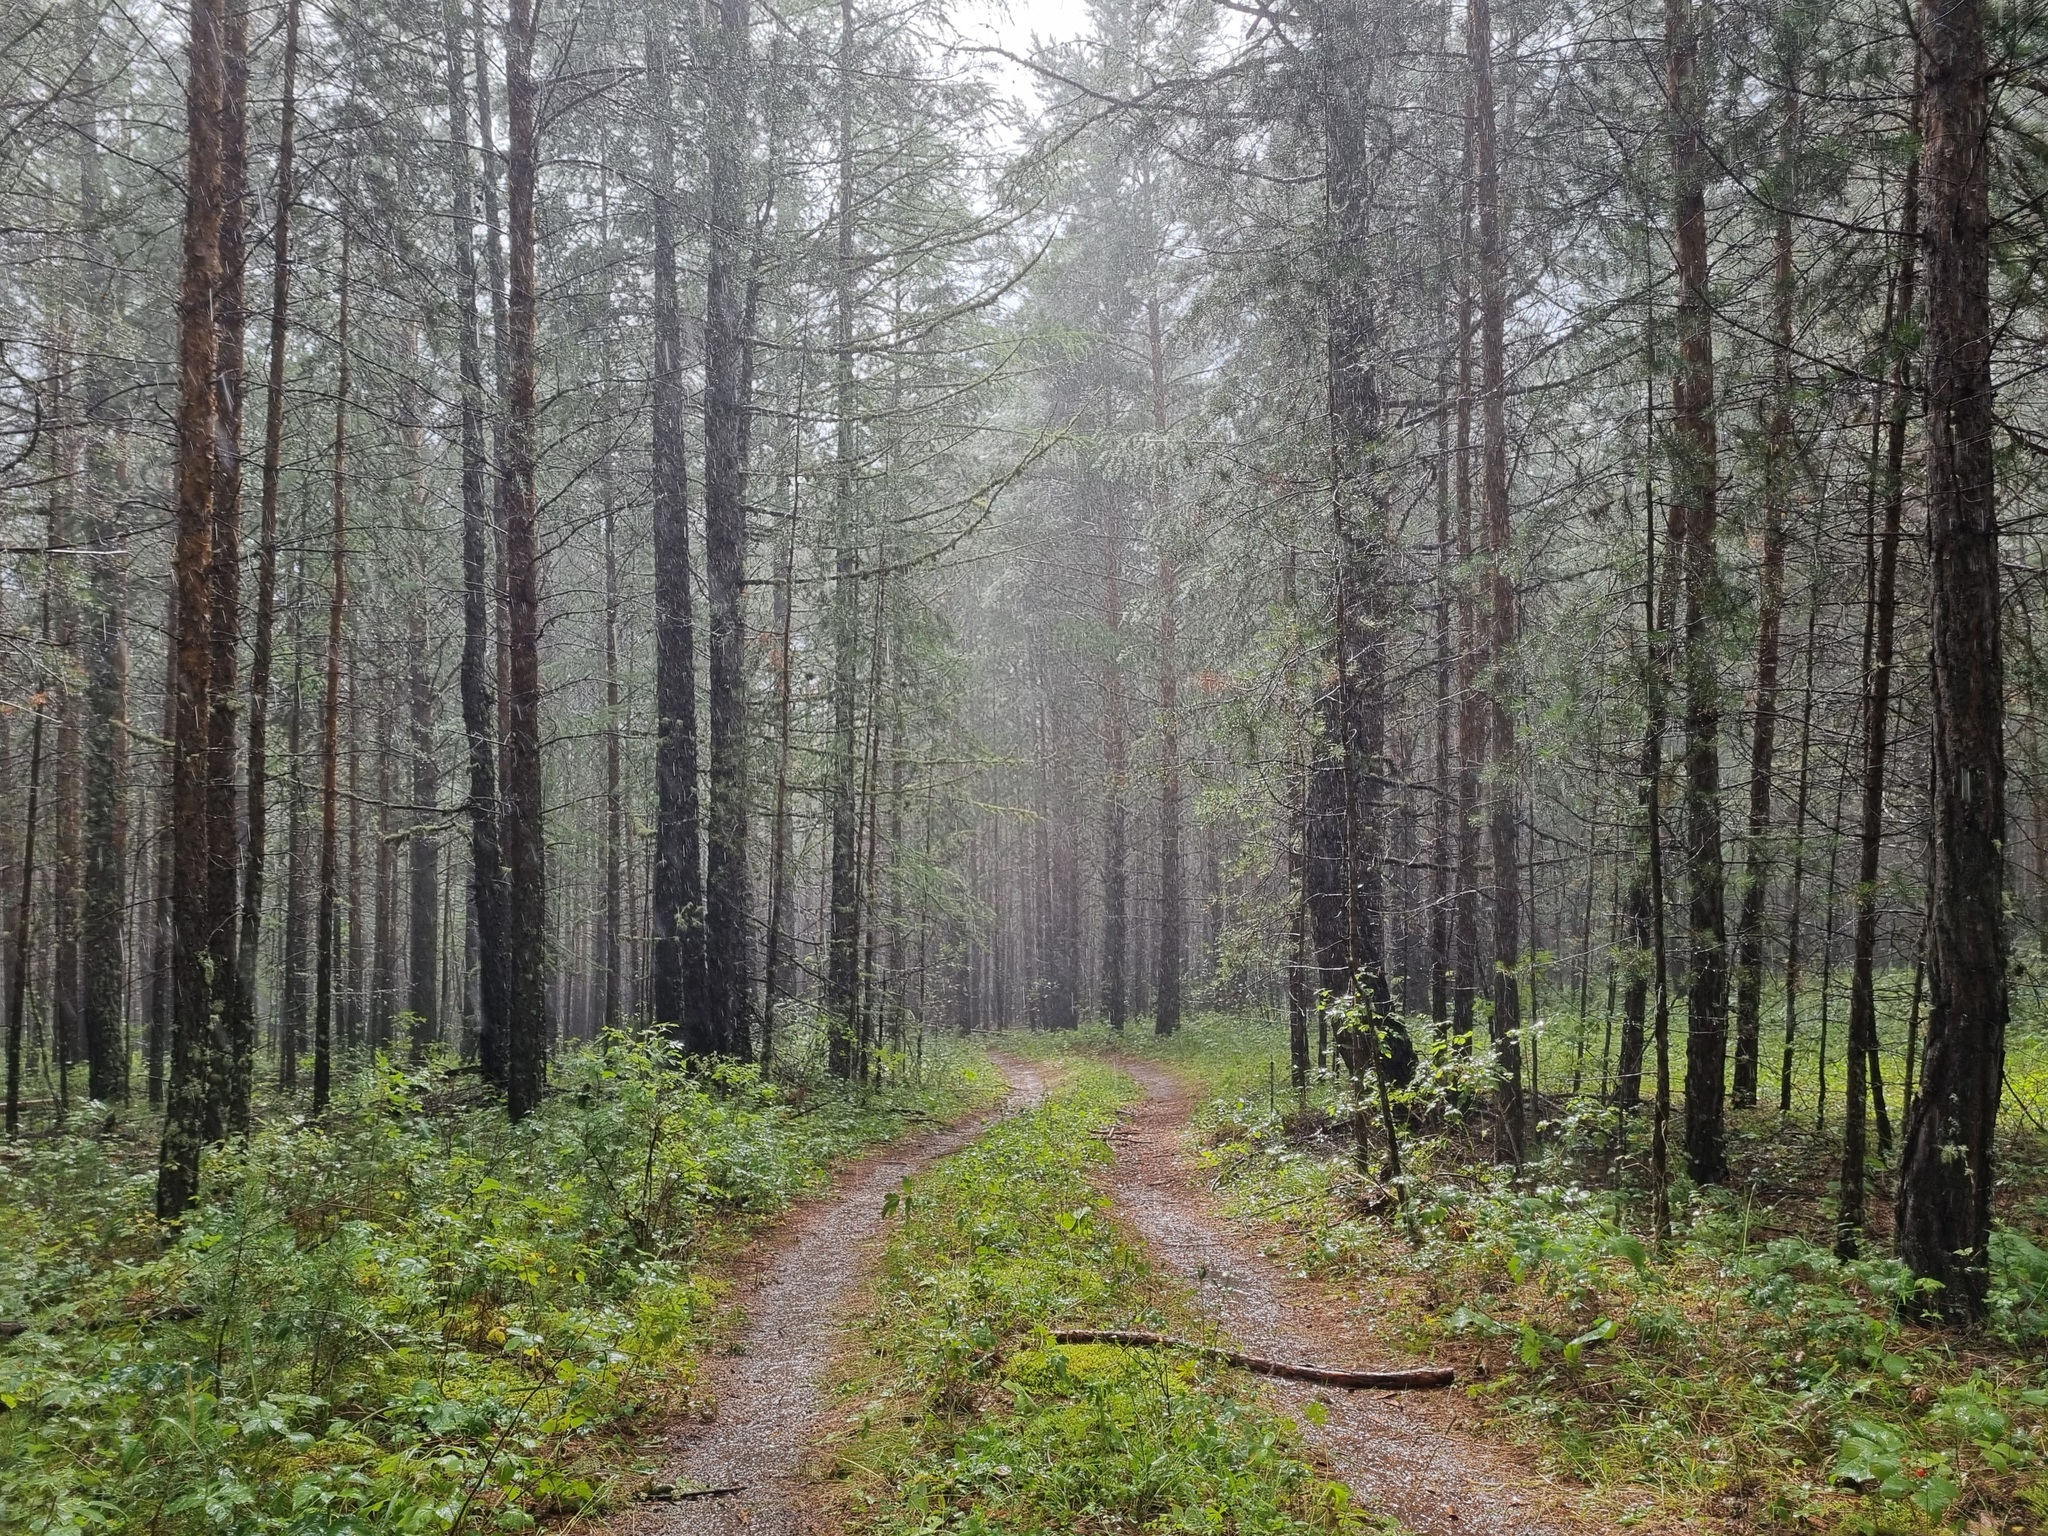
1421	1379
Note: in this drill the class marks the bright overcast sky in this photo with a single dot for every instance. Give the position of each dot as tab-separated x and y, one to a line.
1014	26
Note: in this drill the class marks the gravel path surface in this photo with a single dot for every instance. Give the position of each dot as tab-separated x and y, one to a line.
1401	1453
770	1388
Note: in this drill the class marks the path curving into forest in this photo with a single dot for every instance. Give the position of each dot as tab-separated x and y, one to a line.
768	1386
1401	1454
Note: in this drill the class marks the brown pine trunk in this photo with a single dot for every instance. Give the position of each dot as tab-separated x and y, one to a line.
1945	1178
1693	493
191	1045
525	838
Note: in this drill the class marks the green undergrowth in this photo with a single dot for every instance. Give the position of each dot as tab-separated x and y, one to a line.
1746	1375
968	1418
408	1317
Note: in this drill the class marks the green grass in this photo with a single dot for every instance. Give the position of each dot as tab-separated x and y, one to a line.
1745	1374
966	1418
407	1317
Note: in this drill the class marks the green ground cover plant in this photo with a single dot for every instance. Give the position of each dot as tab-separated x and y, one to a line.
409	1316
967	1418
1745	1374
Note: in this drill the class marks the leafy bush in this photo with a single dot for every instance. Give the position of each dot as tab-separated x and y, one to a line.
407	1316
1761	1382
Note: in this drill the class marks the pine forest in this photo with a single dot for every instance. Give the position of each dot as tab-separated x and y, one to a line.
880	767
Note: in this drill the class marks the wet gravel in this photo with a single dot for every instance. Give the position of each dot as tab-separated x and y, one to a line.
1401	1454
769	1387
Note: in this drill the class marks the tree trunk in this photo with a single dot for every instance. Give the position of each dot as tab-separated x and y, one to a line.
1471	702
1945	1178
326	930
614	792
842	948
1877	694
1795	910
1693	494
423	900
1779	473
1507	1040
104	645
1168	960
292	1007
241	1000
1362	521
191	1045
679	977
17	979
234	1043
1115	879
726	914
524	836
488	896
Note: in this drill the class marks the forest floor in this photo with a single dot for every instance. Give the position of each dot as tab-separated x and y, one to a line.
1406	1454
764	1383
1741	1379
407	1315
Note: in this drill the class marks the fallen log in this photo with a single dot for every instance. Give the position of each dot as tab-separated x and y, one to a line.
1422	1379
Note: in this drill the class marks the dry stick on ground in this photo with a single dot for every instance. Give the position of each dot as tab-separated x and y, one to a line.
1422	1379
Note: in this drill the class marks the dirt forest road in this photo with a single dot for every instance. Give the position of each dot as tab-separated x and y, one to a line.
1401	1454
769	1389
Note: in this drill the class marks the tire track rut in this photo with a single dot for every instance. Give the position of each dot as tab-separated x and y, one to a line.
768	1384
1400	1453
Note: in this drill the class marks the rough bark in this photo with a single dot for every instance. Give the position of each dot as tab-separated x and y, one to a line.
524	836
726	908
234	1042
678	961
479	706
1946	1174
1693	494
191	1042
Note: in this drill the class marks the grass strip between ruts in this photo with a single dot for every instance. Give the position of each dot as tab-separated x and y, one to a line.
963	1417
